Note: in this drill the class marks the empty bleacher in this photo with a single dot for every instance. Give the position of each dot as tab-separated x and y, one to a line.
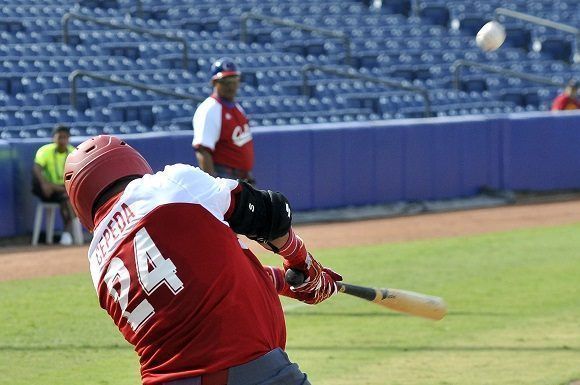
414	42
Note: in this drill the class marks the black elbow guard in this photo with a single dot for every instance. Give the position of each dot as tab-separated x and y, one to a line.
260	215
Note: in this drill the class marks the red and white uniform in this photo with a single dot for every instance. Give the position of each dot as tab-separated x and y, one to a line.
222	127
176	280
565	102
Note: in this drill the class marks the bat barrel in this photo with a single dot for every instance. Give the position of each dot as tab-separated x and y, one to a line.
409	302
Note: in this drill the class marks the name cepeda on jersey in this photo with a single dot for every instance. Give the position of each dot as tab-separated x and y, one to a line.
112	232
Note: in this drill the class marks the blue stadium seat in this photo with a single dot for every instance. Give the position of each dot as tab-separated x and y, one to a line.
11	25
418	49
435	13
475	84
531	98
514	96
471	23
28	99
404	72
296	47
402	7
365	60
556	48
518	37
11	84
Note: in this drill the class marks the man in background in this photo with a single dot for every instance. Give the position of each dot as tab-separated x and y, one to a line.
221	133
567	99
48	177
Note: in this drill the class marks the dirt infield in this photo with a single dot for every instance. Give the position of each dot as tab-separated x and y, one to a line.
27	262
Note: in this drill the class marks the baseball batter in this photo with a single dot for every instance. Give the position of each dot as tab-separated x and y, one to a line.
166	263
221	134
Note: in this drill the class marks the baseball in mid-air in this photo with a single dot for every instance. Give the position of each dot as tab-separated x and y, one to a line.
491	36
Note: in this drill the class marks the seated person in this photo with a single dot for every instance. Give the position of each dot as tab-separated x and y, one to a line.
48	177
567	99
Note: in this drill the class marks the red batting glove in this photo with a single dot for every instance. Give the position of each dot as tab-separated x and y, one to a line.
319	284
309	292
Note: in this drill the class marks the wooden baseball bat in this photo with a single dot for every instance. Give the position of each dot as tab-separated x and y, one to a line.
404	301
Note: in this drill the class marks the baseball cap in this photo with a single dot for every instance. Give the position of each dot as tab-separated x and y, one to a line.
224	67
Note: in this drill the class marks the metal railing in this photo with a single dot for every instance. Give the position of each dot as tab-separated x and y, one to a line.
116	25
459	64
139	8
354	75
545	23
110	79
287	23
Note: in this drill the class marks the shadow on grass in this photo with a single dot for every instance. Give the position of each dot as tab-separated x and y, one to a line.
61	347
342	314
391	313
402	349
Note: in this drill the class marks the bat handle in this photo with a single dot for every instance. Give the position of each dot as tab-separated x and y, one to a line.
295	277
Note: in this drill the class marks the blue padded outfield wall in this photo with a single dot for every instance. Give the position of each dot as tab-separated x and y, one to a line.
7	191
365	163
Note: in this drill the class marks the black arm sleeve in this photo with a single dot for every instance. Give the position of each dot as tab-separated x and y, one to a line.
260	215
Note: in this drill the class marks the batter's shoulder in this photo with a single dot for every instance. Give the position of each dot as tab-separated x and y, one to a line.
180	169
186	175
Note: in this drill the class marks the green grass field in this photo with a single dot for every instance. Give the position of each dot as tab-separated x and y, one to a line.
514	318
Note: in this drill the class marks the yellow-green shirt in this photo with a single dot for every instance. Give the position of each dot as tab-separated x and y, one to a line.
52	162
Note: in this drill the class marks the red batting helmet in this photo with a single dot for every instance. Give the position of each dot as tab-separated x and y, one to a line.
95	165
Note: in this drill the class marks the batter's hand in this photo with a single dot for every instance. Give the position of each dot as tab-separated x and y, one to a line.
324	289
320	282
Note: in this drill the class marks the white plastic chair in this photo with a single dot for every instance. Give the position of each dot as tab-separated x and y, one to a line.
51	209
